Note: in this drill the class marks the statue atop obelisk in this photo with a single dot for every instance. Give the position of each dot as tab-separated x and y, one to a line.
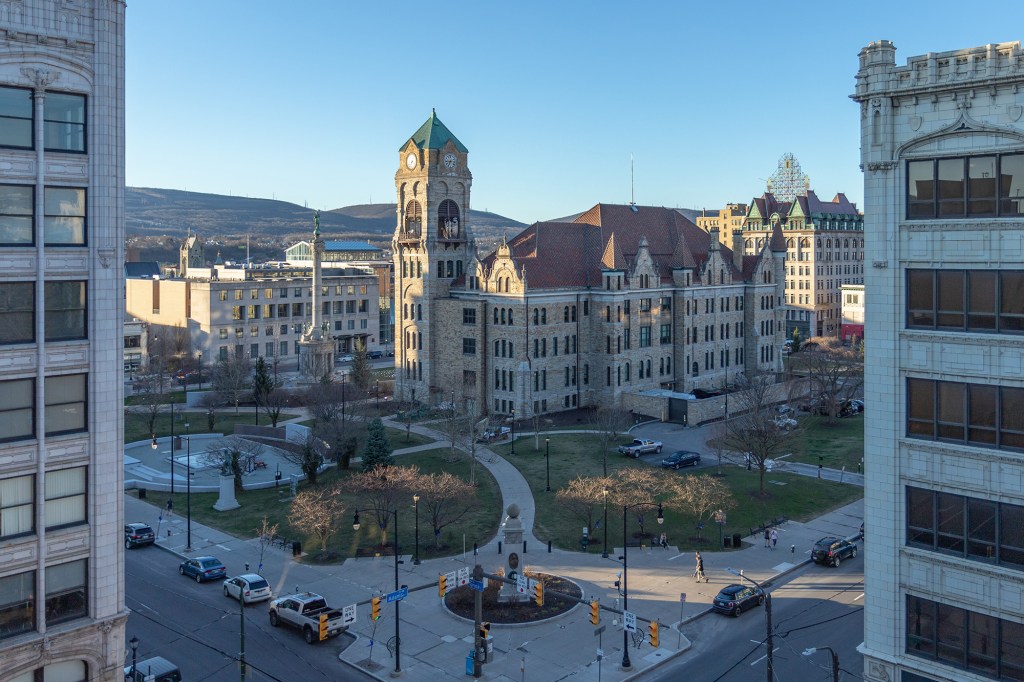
316	349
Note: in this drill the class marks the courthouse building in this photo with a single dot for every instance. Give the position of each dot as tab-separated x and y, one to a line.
62	611
620	301
942	151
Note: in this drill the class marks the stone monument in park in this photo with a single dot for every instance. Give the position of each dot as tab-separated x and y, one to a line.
316	348
513	536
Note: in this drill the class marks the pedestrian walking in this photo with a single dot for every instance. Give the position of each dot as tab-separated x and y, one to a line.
170	507
775	538
767	538
698	571
664	541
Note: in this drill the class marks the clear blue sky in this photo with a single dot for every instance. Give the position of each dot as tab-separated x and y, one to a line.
311	104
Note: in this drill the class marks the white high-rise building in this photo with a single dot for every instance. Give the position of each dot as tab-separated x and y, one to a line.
942	149
62	610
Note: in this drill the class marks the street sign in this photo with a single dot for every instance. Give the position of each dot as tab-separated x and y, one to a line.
451	577
348	614
600	653
598	631
629	621
397	595
522	584
682	597
477	585
463	576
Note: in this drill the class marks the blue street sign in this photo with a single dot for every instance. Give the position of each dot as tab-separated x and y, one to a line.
397	595
477	585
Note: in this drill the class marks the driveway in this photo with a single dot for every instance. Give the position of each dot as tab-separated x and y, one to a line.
677	437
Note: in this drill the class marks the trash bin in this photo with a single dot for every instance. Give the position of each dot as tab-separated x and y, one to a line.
469	663
296	548
177	442
737	540
142	493
728	541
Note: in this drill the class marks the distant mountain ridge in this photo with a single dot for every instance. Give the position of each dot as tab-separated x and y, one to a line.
151	212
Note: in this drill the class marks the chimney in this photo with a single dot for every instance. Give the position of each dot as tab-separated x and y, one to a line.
715	244
737	249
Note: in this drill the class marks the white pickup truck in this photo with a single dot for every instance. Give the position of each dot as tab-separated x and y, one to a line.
303	611
640	446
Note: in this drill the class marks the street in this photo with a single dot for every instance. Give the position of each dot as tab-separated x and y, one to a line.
818	607
196	627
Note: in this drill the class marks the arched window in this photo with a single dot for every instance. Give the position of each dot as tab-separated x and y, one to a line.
565	314
448	220
696	369
574	313
543	315
648	369
495	316
503	316
536	316
413	219
510	316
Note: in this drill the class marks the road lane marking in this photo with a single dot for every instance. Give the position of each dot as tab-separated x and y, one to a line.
860	596
763	657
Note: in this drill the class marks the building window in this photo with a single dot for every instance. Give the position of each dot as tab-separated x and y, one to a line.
65	404
645	337
16	211
469	315
966	186
64	216
966	300
975	414
17	515
65	311
16	129
17	306
65	497
64	123
17	604
66	596
468	346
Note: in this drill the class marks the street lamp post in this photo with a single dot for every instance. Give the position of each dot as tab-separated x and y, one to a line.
199	354
188	489
769	640
416	508
134	642
604	554
832	654
720	518
547	462
513	430
376	395
398	639
626	664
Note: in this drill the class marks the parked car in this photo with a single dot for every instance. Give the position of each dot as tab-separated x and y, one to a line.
640	446
346	358
156	669
832	550
491	435
785	422
253	588
735	599
303	611
851	407
862	531
785	410
375	354
203	568
681	458
138	534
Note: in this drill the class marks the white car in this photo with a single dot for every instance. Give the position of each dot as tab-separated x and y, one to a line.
785	422
252	586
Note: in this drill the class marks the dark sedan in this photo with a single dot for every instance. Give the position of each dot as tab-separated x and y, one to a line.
681	458
735	599
203	568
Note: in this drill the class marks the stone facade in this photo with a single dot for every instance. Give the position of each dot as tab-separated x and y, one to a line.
726	221
62	611
622	300
939	605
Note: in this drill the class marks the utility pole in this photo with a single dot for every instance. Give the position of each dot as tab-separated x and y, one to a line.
241	632
479	652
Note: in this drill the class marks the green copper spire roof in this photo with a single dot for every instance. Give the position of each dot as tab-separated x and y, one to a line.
433	135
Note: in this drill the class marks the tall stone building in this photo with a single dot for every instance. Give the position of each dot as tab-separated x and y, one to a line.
942	151
622	301
726	221
824	250
62	609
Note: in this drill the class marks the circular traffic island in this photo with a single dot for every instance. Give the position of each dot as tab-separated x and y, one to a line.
497	609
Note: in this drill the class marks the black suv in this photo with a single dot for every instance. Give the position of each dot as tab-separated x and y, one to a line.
136	534
832	550
735	599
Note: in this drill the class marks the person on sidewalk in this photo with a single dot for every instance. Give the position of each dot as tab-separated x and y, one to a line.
775	538
170	508
767	538
698	571
664	541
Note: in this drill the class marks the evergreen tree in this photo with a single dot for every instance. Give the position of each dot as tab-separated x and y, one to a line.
796	340
360	372
262	384
378	448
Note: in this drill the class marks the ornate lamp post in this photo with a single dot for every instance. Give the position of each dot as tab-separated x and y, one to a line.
398	640
604	554
720	520
416	508
134	642
188	489
626	664
199	355
513	431
547	462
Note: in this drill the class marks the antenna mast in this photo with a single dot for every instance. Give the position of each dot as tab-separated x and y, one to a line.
632	187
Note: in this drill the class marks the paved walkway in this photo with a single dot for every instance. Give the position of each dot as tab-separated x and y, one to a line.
435	643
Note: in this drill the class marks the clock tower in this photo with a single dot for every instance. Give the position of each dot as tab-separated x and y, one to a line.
431	248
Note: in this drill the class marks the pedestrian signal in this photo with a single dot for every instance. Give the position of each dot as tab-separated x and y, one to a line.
375	608
595	612
538	593
485	630
323	626
654	634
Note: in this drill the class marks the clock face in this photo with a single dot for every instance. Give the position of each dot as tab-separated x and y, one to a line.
410	161
449	161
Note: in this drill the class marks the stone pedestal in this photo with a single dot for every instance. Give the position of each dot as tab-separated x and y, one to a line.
226	500
513	539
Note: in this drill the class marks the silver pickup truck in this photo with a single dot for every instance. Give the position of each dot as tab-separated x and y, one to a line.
304	611
640	446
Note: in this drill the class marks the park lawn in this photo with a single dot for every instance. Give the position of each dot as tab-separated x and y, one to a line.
136	425
840	444
478	526
800	498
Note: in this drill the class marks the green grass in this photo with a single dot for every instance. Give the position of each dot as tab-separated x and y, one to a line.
136	426
398	439
840	444
479	526
801	497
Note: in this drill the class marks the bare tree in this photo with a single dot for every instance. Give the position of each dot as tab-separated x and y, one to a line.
835	373
230	377
308	453
609	422
716	441
583	498
446	499
636	486
149	399
754	433
235	456
700	496
383	489
266	534
210	402
473	425
317	512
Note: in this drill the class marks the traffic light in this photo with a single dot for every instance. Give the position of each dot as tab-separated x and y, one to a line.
654	633
595	612
538	593
485	631
323	626
375	608
442	585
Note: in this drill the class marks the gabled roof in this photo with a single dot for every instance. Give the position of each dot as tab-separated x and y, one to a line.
434	135
612	258
142	270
